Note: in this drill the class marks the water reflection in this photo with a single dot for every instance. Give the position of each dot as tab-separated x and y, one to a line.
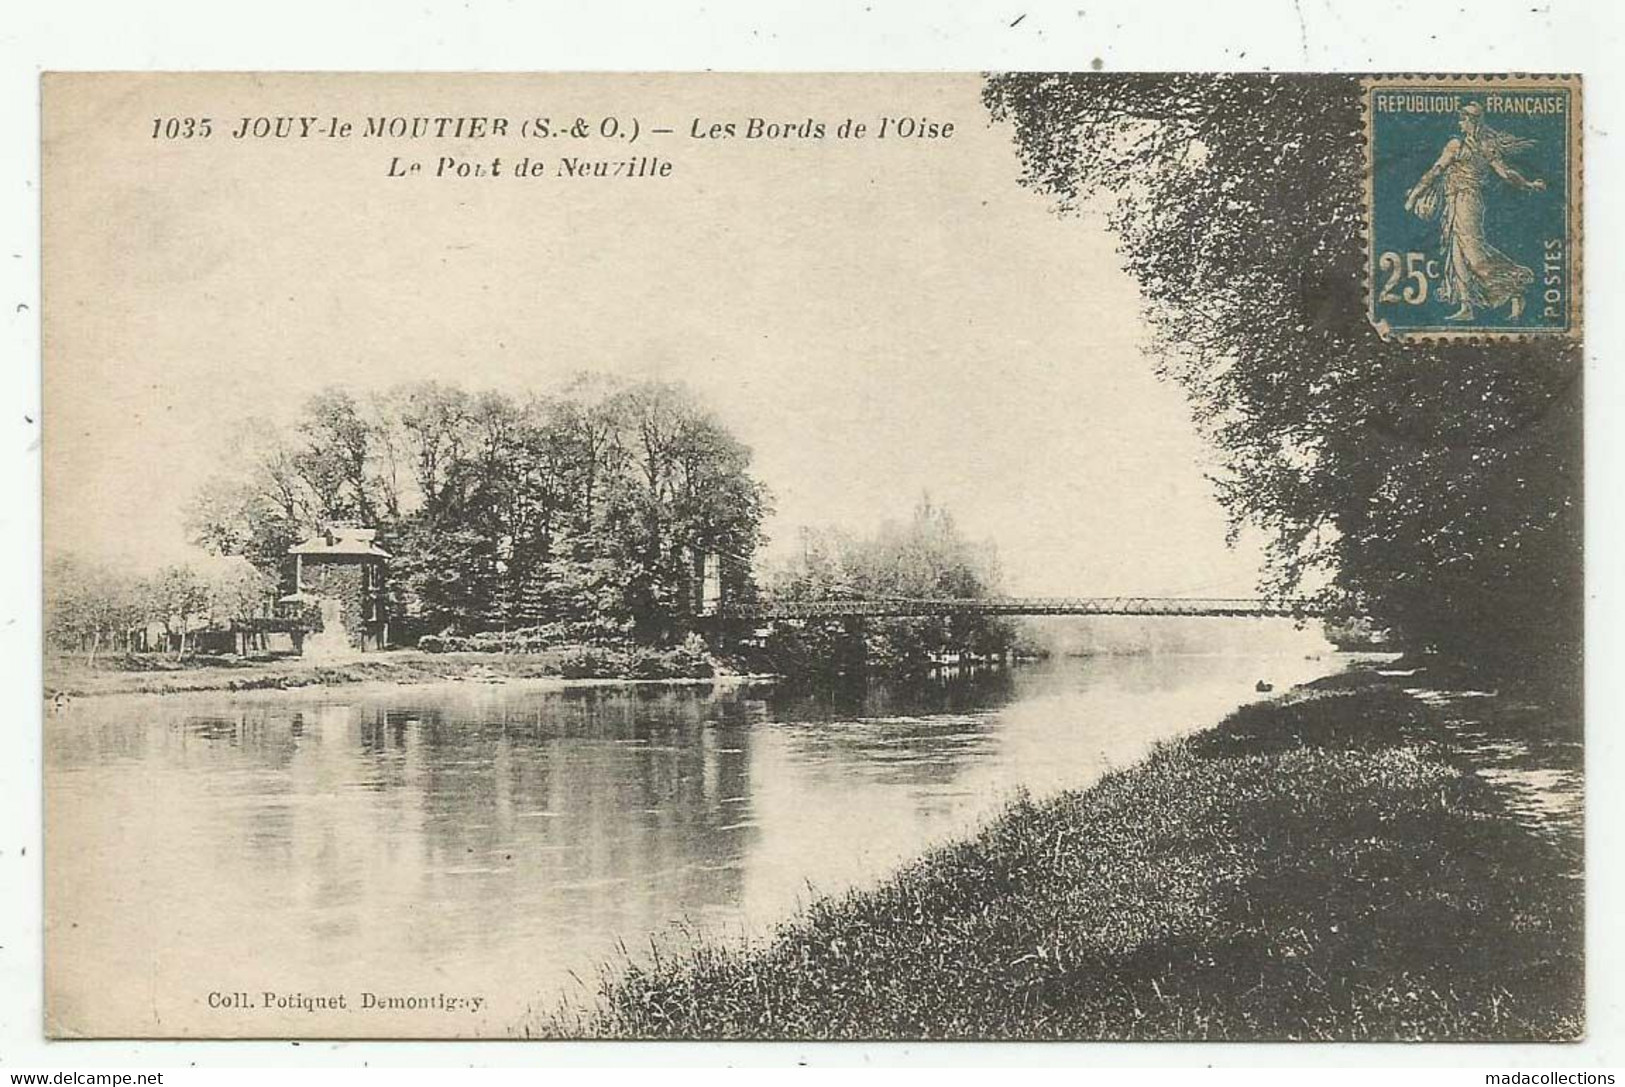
505	839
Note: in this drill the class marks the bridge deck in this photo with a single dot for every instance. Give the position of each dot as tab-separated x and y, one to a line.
1022	605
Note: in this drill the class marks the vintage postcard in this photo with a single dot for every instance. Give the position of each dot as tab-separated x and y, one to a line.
793	556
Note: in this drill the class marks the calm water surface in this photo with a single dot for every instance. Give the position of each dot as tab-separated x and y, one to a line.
505	840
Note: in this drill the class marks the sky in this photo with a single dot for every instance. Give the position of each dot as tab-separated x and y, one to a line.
878	320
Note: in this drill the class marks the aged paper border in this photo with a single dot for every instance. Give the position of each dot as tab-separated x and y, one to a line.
199	39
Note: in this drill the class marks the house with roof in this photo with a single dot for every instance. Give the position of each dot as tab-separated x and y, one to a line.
339	580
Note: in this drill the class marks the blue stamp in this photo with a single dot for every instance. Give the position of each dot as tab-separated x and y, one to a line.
1473	206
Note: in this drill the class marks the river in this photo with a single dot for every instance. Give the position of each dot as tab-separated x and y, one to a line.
504	841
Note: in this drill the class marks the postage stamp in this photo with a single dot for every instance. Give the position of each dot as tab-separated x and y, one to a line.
1473	205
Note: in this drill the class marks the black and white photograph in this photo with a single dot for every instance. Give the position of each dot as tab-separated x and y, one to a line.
1086	556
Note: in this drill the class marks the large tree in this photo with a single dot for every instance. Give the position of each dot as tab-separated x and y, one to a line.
686	492
1434	486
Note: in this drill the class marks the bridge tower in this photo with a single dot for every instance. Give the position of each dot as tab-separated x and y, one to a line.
711	601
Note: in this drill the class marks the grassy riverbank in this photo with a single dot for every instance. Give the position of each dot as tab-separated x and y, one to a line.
154	674
1323	866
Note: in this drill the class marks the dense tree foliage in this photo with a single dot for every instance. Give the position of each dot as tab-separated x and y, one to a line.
1433	486
91	607
926	557
589	509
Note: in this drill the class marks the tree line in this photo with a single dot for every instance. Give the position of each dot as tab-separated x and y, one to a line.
92	607
579	517
587	510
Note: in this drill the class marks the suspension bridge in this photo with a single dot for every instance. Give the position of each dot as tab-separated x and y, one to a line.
716	604
898	608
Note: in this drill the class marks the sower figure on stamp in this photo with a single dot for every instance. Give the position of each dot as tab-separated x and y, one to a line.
1476	274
